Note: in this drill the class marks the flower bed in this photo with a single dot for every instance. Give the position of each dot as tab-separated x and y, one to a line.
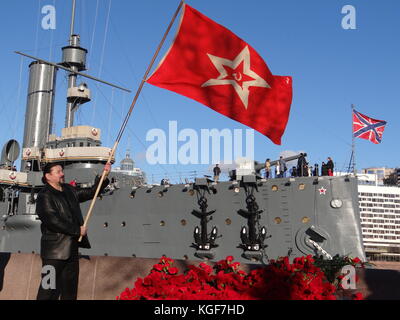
304	279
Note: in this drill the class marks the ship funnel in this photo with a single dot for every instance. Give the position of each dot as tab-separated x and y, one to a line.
40	104
9	153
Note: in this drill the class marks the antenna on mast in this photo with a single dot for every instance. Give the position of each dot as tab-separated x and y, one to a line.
71	33
74	57
353	147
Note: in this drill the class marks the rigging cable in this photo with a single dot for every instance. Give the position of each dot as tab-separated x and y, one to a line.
14	128
102	54
37	29
6	104
93	34
52	38
129	129
109	118
132	70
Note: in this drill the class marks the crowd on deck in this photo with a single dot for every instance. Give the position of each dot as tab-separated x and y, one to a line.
279	169
303	168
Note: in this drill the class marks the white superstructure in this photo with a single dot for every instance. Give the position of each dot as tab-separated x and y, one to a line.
380	218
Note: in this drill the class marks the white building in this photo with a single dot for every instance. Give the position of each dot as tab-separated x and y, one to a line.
381	173
127	167
380	218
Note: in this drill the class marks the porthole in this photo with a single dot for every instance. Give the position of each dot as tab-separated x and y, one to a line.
305	220
336	203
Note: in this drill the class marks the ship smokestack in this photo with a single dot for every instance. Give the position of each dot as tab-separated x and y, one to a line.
40	105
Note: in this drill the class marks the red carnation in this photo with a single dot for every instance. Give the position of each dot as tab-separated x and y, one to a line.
173	270
158	267
356	260
358	296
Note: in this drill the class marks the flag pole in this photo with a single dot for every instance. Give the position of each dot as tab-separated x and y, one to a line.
124	124
353	147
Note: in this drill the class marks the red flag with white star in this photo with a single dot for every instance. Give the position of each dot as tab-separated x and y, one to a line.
210	64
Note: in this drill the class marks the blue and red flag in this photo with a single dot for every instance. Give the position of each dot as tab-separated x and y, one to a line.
367	128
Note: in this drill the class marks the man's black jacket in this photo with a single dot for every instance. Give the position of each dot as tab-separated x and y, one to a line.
217	171
329	164
61	218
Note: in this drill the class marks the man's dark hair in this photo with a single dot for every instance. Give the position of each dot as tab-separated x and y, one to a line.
47	169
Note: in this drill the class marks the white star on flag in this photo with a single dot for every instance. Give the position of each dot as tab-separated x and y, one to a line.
237	76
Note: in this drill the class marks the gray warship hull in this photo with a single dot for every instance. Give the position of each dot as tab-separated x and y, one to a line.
300	216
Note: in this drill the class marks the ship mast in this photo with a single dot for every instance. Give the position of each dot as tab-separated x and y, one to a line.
41	91
71	32
74	57
353	147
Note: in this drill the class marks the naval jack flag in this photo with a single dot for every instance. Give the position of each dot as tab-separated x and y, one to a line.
367	128
210	64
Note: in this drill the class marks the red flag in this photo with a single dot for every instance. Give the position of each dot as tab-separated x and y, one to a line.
367	128
210	64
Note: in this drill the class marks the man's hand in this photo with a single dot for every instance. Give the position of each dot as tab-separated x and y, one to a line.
84	231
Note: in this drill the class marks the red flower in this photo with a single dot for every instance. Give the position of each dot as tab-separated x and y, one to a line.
301	280
158	267
235	265
358	296
166	260
356	260
173	270
205	267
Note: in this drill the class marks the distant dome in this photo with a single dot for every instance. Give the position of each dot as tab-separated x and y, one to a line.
127	163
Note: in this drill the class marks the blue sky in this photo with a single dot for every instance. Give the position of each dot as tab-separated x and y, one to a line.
332	68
